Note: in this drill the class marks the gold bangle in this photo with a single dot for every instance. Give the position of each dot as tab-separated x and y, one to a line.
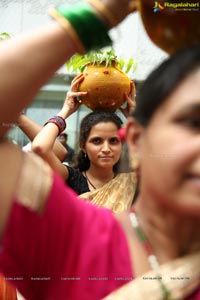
104	11
68	27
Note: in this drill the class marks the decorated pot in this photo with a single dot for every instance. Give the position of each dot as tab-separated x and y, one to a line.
106	86
171	25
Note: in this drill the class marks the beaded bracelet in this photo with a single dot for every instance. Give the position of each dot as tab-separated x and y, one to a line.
88	28
59	122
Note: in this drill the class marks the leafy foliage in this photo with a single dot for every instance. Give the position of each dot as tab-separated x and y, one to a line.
78	62
4	36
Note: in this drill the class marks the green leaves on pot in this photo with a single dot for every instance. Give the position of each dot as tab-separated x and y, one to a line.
4	36
127	66
78	62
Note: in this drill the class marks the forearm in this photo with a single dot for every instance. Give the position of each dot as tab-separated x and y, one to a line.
56	165
43	146
28	126
45	139
31	129
26	63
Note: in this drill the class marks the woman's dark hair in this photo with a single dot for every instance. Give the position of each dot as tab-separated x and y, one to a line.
93	118
163	80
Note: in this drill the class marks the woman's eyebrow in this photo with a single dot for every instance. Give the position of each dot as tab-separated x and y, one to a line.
191	108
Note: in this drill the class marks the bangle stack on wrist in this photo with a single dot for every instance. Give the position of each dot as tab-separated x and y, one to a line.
59	122
87	30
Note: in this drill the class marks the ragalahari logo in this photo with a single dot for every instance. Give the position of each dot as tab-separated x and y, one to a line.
178	6
157	6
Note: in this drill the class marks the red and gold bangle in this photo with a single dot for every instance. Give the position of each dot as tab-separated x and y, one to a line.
59	122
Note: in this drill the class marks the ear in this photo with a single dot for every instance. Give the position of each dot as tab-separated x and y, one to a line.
81	146
134	134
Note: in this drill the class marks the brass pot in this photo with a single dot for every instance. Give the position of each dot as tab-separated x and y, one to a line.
106	86
171	26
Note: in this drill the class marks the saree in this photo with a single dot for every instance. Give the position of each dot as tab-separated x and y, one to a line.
56	210
7	291
116	195
181	277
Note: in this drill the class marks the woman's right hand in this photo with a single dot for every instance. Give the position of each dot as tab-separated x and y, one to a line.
72	101
115	10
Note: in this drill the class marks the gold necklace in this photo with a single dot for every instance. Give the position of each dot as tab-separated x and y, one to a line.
151	256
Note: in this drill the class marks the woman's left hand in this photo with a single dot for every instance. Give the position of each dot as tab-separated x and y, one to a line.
130	102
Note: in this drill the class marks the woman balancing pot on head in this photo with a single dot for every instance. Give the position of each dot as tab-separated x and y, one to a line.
96	176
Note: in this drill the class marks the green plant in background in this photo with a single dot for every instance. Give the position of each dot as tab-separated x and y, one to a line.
78	62
4	36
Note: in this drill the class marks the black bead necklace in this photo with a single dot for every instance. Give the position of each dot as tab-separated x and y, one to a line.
88	180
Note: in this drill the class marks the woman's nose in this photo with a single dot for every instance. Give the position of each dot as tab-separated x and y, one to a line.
106	146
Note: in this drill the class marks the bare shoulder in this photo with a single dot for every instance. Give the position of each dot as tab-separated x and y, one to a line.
10	162
11	159
24	177
34	184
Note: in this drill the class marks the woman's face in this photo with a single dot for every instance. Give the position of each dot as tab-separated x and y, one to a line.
103	145
170	150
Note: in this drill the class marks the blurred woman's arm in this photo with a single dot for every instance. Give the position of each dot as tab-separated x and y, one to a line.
31	129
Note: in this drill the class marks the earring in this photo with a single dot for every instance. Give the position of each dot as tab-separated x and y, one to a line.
134	165
134	162
85	155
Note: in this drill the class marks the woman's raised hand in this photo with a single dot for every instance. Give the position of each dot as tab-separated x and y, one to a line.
72	101
130	102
